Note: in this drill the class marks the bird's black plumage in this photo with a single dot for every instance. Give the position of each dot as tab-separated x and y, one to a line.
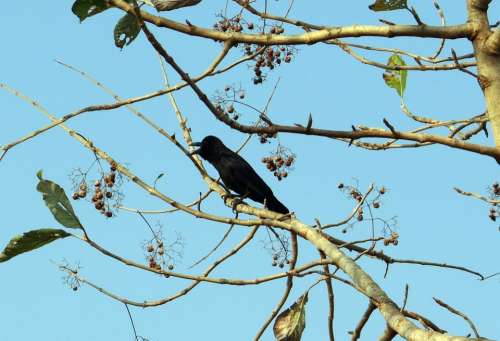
237	174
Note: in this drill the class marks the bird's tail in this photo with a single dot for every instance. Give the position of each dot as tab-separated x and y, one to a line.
275	205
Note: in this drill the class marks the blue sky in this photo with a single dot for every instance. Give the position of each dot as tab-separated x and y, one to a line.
434	222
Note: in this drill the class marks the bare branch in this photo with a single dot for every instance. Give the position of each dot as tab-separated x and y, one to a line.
388	334
327	33
361	324
456	312
331	298
477	196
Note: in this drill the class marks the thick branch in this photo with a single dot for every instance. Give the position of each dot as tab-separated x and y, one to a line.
492	44
486	47
327	33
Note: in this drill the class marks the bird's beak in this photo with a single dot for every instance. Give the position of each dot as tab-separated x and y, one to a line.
196	151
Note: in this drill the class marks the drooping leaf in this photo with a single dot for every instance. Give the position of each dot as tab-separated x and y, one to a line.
388	5
396	79
30	241
169	5
57	202
290	324
87	8
126	30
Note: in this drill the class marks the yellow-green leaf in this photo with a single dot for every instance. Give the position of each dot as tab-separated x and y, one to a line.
58	203
30	241
290	324
396	79
388	5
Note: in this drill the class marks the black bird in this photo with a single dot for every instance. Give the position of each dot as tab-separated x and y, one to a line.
237	174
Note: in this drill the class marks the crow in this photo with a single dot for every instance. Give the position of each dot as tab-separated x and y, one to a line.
237	174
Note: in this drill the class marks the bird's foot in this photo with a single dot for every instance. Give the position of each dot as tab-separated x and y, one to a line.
236	200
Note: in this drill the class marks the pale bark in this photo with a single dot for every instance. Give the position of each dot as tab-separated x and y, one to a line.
487	49
325	34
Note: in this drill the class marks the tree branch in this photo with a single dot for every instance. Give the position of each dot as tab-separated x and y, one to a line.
449	32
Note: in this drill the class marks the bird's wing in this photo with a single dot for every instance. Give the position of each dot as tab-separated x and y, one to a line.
242	178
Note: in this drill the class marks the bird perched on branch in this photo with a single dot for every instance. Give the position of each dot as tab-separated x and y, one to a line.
237	174
168	5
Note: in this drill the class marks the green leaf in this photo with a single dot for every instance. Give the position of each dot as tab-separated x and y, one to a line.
30	241
126	30
396	79
87	8
388	5
290	324
57	202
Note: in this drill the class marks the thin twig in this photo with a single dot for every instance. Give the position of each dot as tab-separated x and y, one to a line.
131	321
361	324
331	299
456	312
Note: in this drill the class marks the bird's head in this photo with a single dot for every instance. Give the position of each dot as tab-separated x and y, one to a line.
209	148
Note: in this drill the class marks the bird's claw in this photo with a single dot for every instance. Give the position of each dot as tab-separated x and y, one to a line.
236	202
227	196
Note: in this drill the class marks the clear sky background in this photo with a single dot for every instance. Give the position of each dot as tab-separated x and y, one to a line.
434	222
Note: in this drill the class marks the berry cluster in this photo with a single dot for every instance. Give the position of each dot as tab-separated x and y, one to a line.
156	254
393	239
494	211
352	192
71	278
279	260
105	194
269	57
225	101
160	256
280	162
263	137
278	247
234	24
